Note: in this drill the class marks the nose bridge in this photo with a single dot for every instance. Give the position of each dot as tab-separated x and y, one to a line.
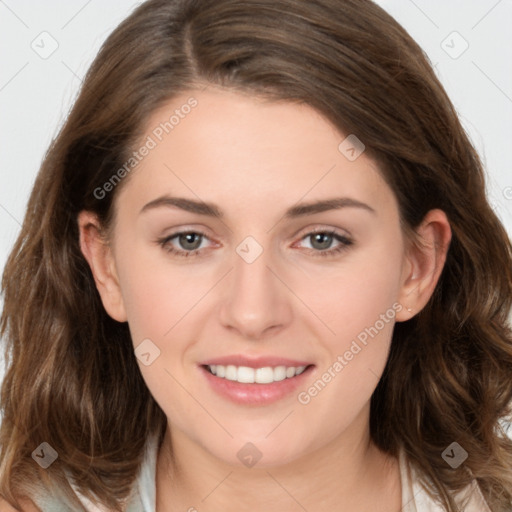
255	300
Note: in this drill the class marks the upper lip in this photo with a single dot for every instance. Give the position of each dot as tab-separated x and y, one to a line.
254	362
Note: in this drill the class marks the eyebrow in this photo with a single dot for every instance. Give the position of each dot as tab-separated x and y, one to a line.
212	210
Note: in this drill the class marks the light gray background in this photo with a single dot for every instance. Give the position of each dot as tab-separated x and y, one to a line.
36	93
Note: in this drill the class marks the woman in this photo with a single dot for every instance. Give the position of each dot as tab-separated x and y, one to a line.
258	271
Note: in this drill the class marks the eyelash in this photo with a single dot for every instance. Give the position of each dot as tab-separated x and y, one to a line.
345	242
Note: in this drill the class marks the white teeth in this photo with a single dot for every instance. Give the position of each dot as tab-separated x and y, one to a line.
231	372
300	369
280	373
264	375
246	375
290	372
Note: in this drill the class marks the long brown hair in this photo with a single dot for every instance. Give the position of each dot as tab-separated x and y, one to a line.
72	378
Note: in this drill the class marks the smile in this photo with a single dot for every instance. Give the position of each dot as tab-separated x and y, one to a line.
246	375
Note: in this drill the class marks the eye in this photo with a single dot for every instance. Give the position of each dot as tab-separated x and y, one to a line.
189	240
321	241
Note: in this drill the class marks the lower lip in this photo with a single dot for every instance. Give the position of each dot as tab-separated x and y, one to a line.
255	394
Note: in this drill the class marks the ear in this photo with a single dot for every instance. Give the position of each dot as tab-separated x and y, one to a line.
424	262
98	254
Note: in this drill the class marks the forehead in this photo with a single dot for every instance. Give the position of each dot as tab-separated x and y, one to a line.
230	148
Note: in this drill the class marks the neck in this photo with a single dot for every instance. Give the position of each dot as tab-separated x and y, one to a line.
349	473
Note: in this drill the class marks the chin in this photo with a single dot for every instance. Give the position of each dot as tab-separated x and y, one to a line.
257	452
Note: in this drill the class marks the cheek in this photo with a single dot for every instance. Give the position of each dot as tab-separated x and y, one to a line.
363	299
353	294
355	357
157	293
157	298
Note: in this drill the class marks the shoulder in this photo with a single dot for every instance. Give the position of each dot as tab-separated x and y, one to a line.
415	497
27	506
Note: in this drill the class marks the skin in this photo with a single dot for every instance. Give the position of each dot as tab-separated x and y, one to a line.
255	159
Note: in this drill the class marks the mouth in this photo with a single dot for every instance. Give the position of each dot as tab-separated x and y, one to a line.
256	382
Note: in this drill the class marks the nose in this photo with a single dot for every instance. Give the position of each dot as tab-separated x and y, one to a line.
255	300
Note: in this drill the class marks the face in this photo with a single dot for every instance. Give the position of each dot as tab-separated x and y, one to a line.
254	287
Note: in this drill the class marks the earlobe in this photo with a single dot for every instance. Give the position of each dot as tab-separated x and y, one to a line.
424	262
99	256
